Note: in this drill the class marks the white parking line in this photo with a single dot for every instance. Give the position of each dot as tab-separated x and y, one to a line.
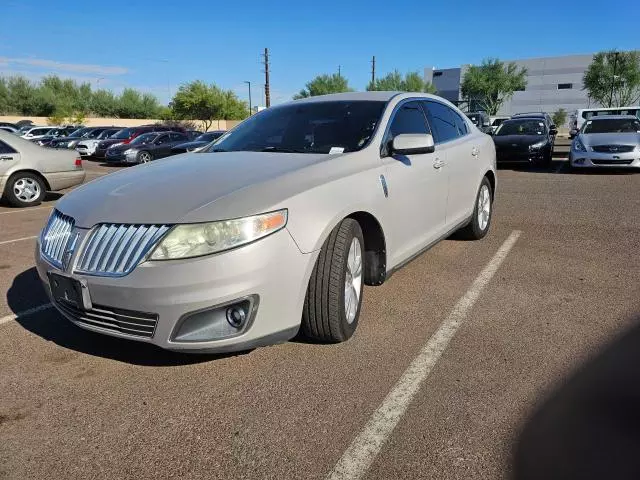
25	210
31	311
359	456
18	240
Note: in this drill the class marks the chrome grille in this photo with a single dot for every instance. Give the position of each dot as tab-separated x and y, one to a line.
116	249
613	148
55	237
129	322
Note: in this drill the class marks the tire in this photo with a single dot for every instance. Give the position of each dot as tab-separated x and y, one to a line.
25	189
144	157
474	229
328	316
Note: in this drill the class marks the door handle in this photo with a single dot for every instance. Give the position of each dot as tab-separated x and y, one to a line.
475	151
438	164
6	158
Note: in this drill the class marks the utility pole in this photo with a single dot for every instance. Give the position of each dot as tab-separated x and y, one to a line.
613	77
339	74
267	90
250	109
373	70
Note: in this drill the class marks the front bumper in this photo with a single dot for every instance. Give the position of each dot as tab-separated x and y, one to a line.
86	150
272	270
604	160
520	156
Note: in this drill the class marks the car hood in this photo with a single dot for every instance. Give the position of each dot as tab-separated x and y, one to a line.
191	145
126	146
110	141
519	140
590	139
192	187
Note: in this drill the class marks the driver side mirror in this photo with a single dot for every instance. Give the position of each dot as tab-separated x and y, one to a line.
412	144
553	131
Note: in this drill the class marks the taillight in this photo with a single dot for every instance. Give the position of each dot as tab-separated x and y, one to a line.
78	162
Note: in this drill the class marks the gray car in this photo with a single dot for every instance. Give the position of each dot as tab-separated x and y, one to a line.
608	141
274	229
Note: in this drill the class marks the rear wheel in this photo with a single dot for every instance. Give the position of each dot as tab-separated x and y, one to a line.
481	218
334	295
25	189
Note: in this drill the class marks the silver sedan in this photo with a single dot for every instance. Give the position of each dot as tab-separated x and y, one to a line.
274	229
28	170
607	141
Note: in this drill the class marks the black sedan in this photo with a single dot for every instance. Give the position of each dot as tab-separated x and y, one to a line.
198	142
524	140
146	147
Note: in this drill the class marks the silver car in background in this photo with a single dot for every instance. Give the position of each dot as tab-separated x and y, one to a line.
273	229
608	141
28	170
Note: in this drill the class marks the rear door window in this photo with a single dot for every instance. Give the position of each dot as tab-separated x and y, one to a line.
443	120
5	148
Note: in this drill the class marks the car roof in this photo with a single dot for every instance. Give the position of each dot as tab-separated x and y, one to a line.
613	117
530	114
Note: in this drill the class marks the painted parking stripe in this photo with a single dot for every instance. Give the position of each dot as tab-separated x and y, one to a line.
359	456
18	240
31	311
25	210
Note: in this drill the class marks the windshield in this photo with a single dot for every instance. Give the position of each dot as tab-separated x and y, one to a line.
79	132
521	127
612	125
93	133
107	133
145	138
123	134
497	122
316	127
209	136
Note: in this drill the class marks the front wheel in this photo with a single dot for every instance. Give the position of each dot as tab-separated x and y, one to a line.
144	157
334	295
481	218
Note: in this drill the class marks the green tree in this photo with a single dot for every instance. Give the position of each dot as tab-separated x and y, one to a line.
560	117
613	78
323	85
395	82
206	103
104	103
493	82
4	97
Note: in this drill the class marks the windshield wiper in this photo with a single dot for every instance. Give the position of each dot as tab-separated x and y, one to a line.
281	150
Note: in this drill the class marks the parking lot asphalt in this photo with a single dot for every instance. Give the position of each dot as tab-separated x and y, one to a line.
75	404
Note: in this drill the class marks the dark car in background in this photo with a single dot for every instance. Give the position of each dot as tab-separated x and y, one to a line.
57	132
480	120
524	139
145	147
71	140
127	134
198	142
543	115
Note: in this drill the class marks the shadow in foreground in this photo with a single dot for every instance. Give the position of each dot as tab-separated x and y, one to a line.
590	427
27	292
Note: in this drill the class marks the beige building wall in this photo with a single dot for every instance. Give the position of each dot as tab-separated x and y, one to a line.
124	122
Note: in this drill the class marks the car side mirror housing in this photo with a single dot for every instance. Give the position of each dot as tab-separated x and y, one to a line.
413	143
553	131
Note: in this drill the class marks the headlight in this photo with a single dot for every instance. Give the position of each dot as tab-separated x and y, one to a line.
129	151
537	146
578	146
195	240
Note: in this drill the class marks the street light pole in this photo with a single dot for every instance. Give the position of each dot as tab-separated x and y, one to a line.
250	109
613	77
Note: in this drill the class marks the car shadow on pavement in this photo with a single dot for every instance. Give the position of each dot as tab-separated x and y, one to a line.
589	428
27	292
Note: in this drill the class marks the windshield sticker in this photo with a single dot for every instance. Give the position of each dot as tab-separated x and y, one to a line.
335	150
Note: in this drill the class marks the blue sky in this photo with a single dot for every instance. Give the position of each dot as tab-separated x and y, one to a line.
157	45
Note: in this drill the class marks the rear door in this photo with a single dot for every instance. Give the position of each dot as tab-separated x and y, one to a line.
416	187
8	158
455	138
175	139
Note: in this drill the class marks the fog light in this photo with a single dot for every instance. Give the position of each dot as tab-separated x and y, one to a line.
217	322
236	316
579	161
